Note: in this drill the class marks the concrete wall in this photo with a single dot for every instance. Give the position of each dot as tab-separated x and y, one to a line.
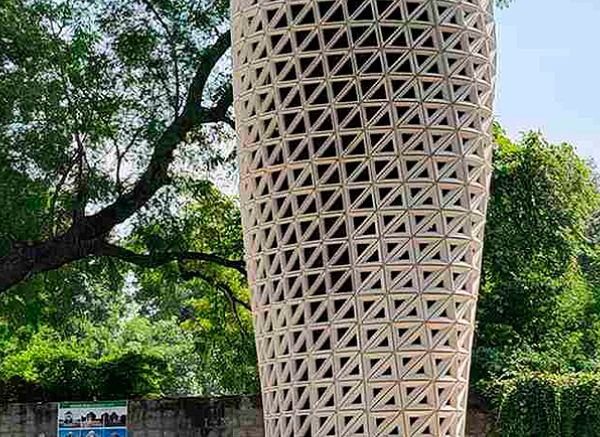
235	416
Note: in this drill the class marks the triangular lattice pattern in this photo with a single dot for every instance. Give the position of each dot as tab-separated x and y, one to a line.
365	150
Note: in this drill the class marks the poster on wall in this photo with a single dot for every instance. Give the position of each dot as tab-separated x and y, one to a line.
92	419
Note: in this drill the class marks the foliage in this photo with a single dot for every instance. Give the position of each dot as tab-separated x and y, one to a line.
206	222
61	299
225	347
119	95
536	358
547	405
136	359
535	295
59	371
543	195
210	300
114	117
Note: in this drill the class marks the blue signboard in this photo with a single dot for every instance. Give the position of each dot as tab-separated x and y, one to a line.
92	419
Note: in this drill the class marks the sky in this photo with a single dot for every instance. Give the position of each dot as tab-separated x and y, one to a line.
549	71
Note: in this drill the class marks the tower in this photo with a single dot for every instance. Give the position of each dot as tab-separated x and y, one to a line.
365	150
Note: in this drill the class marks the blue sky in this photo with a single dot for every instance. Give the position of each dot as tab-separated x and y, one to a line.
549	71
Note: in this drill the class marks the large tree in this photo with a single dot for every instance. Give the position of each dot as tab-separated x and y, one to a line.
104	106
539	301
115	117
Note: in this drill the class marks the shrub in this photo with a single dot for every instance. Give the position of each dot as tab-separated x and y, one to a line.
54	370
546	405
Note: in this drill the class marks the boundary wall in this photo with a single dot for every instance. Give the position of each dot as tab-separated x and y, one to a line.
229	416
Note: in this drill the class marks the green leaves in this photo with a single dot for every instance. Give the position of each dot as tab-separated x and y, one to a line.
539	306
90	93
135	47
123	360
543	197
205	295
547	405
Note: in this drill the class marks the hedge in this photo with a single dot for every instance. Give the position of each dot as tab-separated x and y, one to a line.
546	405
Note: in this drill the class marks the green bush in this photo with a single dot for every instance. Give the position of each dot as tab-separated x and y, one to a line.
131	375
51	369
18	389
546	405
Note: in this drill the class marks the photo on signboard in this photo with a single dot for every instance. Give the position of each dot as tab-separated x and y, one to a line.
69	433
115	433
114	419
69	419
92	420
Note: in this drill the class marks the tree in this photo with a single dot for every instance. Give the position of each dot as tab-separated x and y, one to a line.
113	115
98	102
538	334
539	292
120	359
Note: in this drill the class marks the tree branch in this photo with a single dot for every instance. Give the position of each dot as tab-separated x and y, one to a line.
174	56
232	301
120	157
156	174
26	259
52	211
219	111
223	287
80	197
161	258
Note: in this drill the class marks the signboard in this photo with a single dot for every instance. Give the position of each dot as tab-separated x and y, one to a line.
92	419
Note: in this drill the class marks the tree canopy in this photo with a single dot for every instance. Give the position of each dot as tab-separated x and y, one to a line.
105	107
539	301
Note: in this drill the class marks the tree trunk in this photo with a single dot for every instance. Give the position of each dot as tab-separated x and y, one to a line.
25	260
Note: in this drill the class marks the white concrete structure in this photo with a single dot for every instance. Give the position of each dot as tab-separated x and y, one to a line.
365	155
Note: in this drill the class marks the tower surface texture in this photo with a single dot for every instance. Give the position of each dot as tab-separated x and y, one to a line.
365	130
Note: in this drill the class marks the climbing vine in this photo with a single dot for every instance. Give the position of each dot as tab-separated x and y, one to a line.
546	405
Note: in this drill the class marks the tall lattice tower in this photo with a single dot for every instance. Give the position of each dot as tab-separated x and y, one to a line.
365	159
